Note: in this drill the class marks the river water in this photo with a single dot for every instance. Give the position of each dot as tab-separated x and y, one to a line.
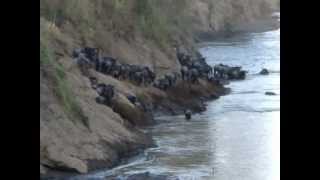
238	137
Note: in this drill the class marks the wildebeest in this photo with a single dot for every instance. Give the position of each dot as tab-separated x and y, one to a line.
124	71
116	69
167	81
149	75
132	99
84	64
228	72
264	71
162	84
188	114
220	70
89	57
105	64
92	54
193	75
76	52
106	92
184	72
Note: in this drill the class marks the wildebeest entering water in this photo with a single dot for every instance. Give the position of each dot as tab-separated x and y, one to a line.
230	73
188	114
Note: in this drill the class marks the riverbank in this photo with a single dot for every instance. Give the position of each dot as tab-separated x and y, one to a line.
172	102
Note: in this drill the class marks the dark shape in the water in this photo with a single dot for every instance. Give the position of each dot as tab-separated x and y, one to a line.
226	72
146	176
264	72
270	93
188	114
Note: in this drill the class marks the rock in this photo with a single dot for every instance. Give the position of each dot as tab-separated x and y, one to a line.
42	170
270	93
61	161
264	72
133	113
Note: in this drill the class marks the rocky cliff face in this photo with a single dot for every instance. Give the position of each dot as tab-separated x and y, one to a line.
76	133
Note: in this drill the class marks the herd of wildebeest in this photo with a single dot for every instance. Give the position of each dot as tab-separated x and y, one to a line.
192	69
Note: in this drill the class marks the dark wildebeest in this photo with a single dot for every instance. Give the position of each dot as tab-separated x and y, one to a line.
188	114
193	75
146	75
132	99
149	75
106	92
205	71
242	74
164	84
138	77
184	73
124	71
116	69
177	75
132	70
170	79
221	71
76	52
105	65
91	53
84	63
234	72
